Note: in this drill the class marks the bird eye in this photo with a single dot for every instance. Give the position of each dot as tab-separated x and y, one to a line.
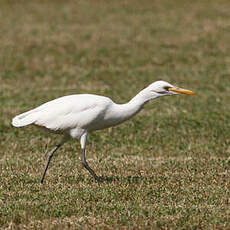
166	88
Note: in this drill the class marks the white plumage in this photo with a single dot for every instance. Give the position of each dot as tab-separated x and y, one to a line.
77	115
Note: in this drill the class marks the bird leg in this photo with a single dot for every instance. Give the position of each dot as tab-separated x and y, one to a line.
50	155
83	160
85	164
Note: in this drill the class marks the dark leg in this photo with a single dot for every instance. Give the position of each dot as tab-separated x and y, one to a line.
85	164
50	155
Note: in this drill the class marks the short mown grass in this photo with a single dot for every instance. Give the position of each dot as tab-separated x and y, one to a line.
167	168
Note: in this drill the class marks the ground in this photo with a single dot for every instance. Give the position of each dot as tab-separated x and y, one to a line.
168	167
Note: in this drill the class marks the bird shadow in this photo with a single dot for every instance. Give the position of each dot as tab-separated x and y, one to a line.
127	179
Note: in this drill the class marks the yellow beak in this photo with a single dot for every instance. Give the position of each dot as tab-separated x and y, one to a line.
179	90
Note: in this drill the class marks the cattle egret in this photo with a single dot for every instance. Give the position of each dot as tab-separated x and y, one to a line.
77	115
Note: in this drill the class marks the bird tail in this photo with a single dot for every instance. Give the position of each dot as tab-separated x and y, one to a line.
24	119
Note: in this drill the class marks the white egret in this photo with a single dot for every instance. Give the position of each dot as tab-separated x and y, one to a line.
75	116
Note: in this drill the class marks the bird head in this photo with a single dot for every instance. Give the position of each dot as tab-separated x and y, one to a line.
163	88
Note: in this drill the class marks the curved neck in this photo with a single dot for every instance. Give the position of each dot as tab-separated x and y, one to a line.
134	106
144	96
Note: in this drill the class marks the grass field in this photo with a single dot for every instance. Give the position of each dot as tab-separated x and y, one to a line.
168	168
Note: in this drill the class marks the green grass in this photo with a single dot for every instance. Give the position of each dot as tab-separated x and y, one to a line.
168	168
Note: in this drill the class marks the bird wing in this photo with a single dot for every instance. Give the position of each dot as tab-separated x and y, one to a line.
65	113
